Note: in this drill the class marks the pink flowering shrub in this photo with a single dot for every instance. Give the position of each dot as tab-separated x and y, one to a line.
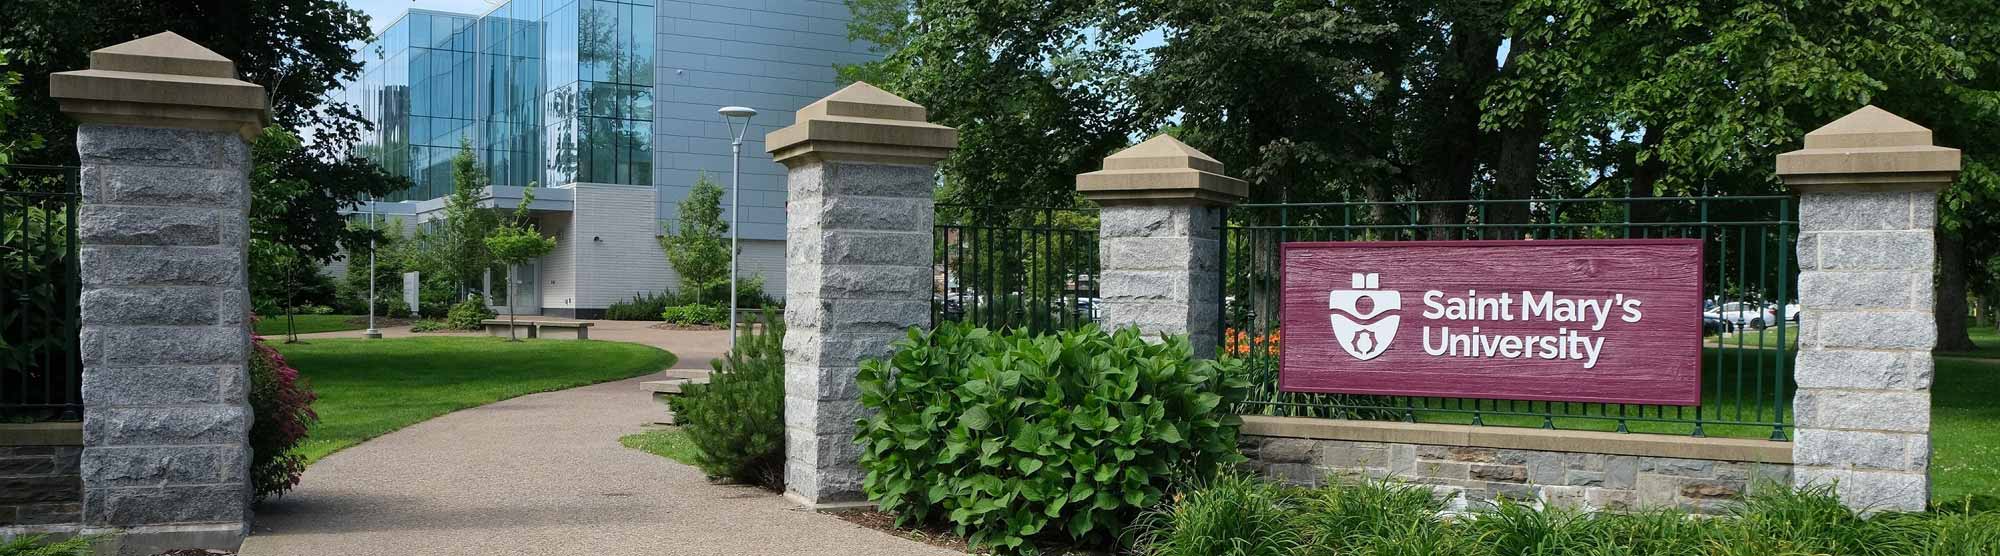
282	403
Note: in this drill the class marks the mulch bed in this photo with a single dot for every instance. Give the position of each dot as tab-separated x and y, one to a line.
879	521
933	535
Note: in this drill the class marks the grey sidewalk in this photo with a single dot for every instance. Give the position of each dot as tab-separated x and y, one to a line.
540	474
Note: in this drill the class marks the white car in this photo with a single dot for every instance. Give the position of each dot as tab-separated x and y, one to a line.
1792	312
1753	315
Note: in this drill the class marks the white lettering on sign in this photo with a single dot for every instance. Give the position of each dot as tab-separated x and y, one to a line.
1566	343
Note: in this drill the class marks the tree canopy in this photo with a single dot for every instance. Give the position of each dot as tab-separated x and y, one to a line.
1372	100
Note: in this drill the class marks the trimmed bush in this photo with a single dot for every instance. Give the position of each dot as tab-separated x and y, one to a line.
737	420
694	314
642	306
428	326
468	314
281	403
1250	516
1068	435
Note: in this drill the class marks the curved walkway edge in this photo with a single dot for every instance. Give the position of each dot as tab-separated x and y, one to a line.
540	474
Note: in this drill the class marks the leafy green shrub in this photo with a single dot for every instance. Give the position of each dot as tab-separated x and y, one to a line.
282	404
1069	435
36	545
737	420
468	314
427	325
1238	517
694	314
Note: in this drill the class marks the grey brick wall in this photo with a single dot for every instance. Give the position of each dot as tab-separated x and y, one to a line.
1475	477
40	485
165	336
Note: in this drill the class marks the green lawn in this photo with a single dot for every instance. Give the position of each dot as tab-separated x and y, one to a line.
308	324
1965	423
671	443
368	388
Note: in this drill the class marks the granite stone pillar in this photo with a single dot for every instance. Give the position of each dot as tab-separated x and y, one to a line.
1159	239
165	303
1868	186
862	166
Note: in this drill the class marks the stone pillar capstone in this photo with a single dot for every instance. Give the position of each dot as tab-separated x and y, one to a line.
1160	239
1868	185
861	169
165	305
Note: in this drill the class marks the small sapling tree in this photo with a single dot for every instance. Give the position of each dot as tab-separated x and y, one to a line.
516	242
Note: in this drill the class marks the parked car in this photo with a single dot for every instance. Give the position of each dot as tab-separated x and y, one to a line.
1740	314
1713	325
1792	312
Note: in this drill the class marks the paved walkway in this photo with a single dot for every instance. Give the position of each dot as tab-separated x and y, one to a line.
542	474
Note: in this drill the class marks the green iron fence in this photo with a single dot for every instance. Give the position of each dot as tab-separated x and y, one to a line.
1747	369
40	370
1014	267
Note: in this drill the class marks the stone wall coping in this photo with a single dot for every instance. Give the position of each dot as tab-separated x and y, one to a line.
1158	170
41	434
862	123
1587	442
1869	149
162	80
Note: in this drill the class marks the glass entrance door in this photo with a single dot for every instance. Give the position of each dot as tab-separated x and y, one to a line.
526	296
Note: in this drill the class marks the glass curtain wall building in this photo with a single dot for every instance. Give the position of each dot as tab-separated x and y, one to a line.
547	92
609	106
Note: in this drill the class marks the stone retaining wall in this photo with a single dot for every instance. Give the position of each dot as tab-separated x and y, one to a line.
41	483
1475	476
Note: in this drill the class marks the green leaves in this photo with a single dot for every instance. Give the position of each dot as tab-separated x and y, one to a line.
1011	436
697	250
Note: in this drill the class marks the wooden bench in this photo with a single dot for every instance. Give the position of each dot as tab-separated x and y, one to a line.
539	328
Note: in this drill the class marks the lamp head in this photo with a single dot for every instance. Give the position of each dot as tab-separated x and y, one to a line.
737	112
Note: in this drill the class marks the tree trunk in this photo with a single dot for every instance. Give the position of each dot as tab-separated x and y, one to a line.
1517	167
1457	140
512	336
1951	330
1645	176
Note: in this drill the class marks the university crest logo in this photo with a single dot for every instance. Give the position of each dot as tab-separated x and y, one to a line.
1352	309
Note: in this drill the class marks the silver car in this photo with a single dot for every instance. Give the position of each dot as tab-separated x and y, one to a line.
1741	314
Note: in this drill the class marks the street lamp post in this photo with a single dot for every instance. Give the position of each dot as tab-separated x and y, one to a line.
372	333
730	114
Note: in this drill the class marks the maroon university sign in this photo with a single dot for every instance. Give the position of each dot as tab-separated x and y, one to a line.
1615	321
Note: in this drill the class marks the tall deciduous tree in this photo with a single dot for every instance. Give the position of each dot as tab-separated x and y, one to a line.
467	225
299	50
1031	85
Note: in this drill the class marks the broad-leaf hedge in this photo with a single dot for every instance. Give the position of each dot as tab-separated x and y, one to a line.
1014	436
